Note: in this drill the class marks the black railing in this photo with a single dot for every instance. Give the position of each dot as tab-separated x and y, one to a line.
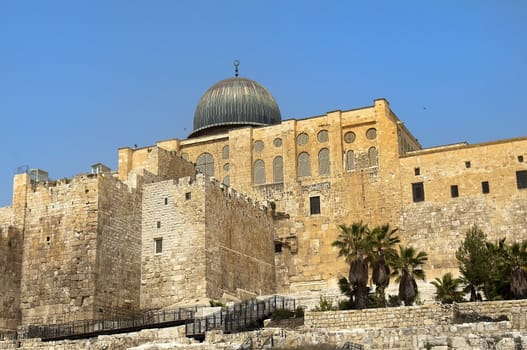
240	317
91	328
352	346
8	335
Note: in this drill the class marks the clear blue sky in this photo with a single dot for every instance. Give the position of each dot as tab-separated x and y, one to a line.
80	79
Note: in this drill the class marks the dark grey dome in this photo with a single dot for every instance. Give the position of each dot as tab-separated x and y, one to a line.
234	102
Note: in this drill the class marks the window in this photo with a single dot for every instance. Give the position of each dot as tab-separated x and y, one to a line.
277	142
485	187
304	165
158	245
520	159
372	156
454	191
278	170
225	152
521	179
417	171
314	205
467	164
302	139
350	160
371	133
188	195
159	224
322	136
205	164
259	172
349	137
166	200
323	162
418	192
258	146
227	180
277	247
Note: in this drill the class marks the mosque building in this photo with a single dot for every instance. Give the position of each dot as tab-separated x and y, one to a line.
249	204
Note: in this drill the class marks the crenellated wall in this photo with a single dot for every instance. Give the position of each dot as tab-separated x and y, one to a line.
211	240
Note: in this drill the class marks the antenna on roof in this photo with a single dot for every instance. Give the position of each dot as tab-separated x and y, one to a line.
236	64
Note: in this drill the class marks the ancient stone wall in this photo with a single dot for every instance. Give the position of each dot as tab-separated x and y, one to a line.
60	245
173	242
10	275
444	219
415	316
201	240
6	216
118	250
239	243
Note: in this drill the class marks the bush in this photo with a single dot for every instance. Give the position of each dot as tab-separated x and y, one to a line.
282	314
325	305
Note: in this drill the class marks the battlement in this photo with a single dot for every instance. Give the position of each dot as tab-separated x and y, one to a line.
229	192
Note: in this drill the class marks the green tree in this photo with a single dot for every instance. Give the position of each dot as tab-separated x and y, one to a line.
382	252
354	244
447	289
517	261
407	267
473	260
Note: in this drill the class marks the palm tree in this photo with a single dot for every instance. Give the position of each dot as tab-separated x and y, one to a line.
354	244
382	253
447	289
517	260
407	267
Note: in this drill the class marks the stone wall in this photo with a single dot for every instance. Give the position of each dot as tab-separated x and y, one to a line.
415	316
10	274
239	243
60	244
211	241
174	215
118	263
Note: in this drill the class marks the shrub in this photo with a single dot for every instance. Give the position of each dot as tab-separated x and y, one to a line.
282	314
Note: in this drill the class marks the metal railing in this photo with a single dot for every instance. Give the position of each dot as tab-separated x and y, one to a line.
240	317
352	346
90	328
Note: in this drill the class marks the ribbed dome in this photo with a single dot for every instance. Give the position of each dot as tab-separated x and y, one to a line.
234	102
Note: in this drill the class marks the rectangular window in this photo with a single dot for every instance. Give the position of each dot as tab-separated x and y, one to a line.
520	159
485	187
158	245
454	191
166	201
314	205
188	195
159	224
417	171
418	192
467	164
521	179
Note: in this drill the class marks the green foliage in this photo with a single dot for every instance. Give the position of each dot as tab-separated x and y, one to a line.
282	314
364	249
299	312
447	289
394	301
498	269
407	267
325	305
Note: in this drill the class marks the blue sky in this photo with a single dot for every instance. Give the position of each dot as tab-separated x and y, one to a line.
80	79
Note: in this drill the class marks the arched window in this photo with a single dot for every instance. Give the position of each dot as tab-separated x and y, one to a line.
205	164
350	160
372	157
323	162
304	165
227	180
225	152
278	169
259	172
